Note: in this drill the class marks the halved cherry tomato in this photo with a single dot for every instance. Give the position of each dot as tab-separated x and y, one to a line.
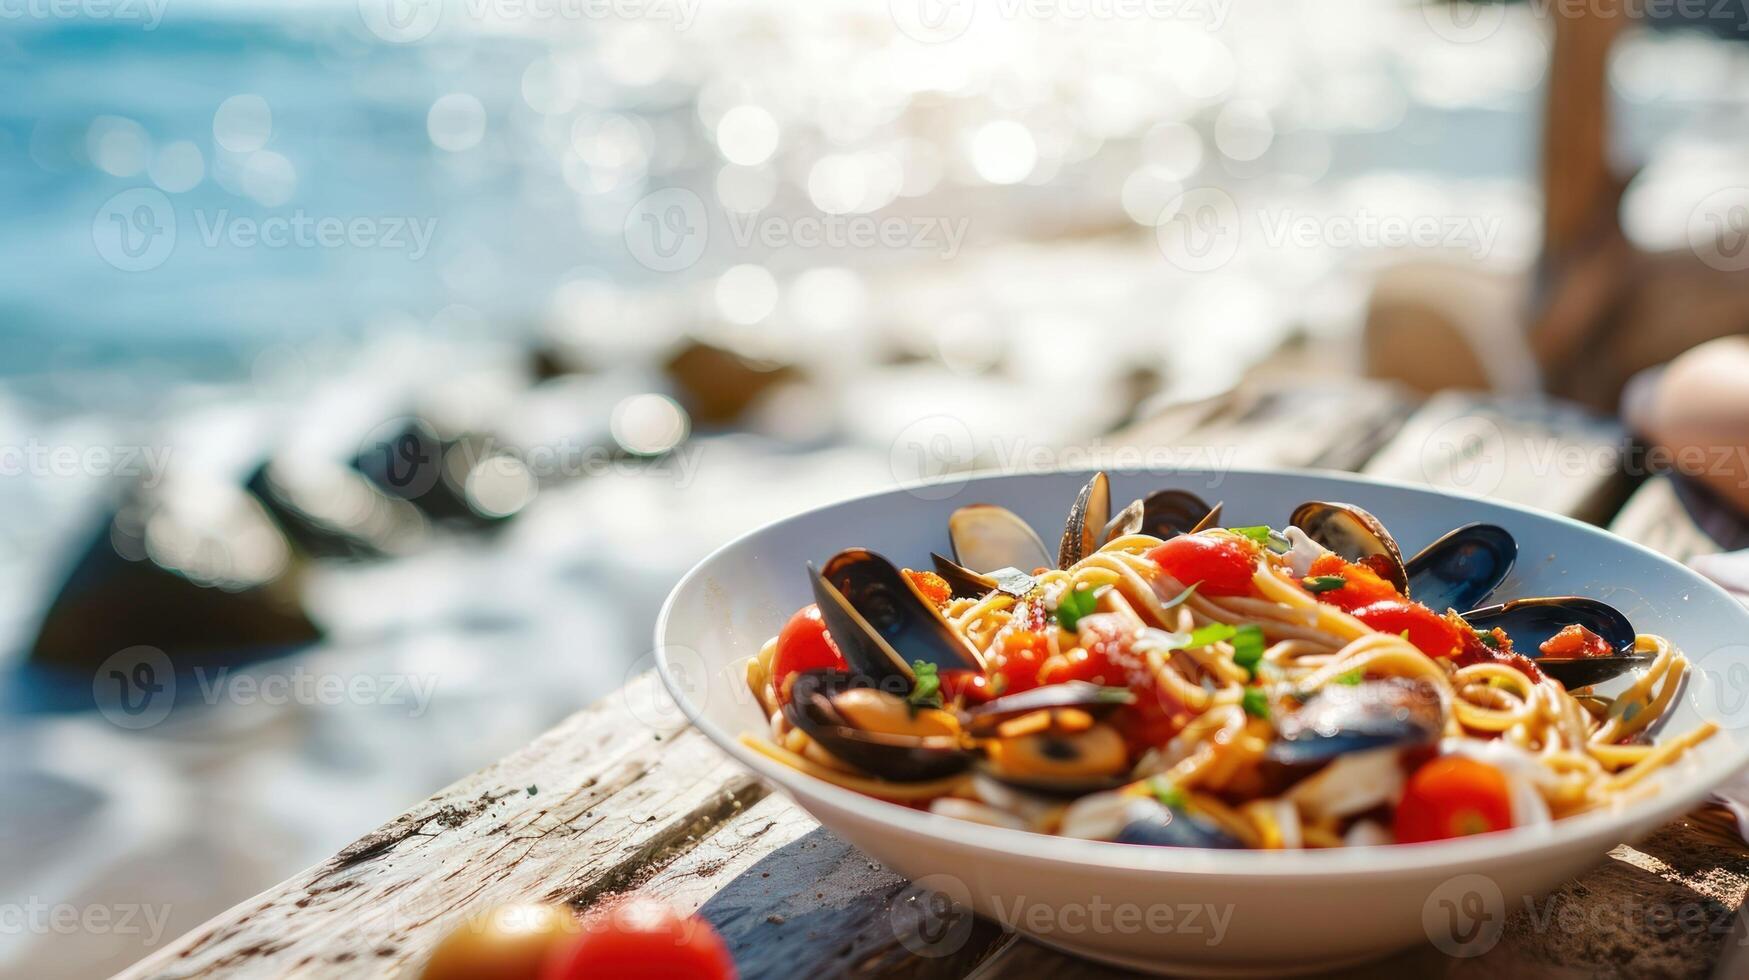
1431	634
643	940
1453	797
933	586
1361	584
1216	565
968	686
804	644
1106	657
1576	641
1015	659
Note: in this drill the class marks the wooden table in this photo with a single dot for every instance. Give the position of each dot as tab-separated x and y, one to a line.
607	803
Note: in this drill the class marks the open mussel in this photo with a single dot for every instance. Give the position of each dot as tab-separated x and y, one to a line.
1058	759
881	623
1355	535
1462	568
967	584
1532	622
868	725
1084	531
1092	700
1154	824
1345	718
986	537
1169	513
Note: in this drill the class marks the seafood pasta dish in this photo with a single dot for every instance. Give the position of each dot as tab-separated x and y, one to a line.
1165	679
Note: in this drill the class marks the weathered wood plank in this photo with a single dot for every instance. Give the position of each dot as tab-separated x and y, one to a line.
1543	454
578	813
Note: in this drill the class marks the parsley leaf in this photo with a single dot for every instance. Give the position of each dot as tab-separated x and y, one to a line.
1202	636
1167	793
926	693
1350	679
1178	600
1323	583
1248	648
1255	702
1073	605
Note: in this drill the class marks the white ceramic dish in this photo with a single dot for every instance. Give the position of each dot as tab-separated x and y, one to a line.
1255	912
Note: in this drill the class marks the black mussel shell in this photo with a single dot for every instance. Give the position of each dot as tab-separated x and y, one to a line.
900	758
1354	534
1462	568
1084	531
1092	698
881	623
1165	826
1342	718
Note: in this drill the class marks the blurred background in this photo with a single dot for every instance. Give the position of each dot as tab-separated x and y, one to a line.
372	368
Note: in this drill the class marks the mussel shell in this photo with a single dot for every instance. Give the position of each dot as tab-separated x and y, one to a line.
1126	521
967	584
1341	718
986	537
881	623
1532	622
1059	747
1163	826
1092	698
1169	513
1577	672
1460	569
900	758
1084	531
1352	533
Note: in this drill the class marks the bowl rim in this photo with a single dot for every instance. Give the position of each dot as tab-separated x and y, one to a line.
1604	827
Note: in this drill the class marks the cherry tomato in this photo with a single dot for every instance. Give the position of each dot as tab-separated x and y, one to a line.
1015	660
933	586
1105	657
968	686
1430	634
1217	566
510	942
804	644
643	940
1361	585
1576	641
1453	797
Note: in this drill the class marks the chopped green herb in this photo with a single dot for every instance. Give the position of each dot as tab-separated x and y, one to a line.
1323	583
1114	695
1178	600
926	693
1073	605
1258	533
1488	639
1255	702
1248	648
1167	793
1202	636
1351	679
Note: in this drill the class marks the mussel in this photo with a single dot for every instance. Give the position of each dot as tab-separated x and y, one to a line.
1084	531
873	728
986	537
1532	622
1355	535
967	584
881	623
1091	699
1155	824
1462	568
1169	513
1057	761
1341	719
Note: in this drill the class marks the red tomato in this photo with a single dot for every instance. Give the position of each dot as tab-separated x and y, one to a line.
968	686
1015	660
1361	584
1453	797
643	940
1576	641
1106	658
804	644
1217	566
1431	634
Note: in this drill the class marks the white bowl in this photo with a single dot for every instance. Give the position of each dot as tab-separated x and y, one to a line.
1209	912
